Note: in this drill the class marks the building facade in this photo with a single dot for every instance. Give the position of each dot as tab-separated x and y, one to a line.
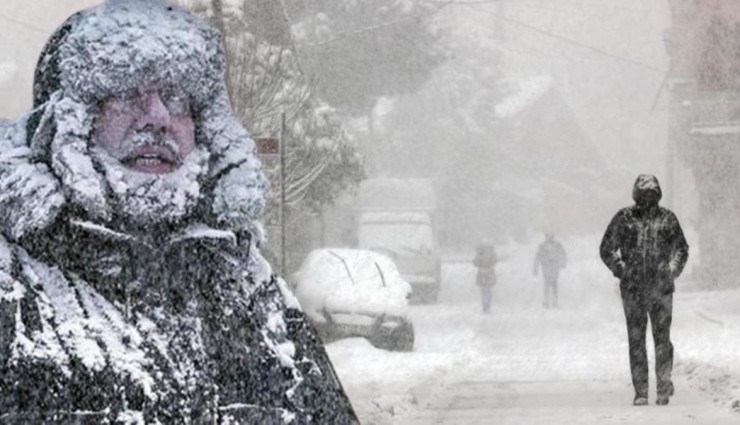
703	43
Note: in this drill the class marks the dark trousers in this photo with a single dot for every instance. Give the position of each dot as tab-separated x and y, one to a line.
485	297
637	308
551	291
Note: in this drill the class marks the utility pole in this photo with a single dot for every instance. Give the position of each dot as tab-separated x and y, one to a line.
219	21
283	133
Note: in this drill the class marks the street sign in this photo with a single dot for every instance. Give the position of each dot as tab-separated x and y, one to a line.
268	147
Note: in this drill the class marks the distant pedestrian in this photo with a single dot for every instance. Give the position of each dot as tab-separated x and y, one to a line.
551	258
485	261
645	248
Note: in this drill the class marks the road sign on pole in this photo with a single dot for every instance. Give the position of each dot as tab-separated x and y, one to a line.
281	154
268	147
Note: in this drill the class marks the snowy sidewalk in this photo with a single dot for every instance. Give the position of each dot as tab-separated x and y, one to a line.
552	403
523	364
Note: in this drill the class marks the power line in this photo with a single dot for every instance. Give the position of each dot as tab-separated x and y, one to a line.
24	24
572	42
376	27
508	3
465	2
553	7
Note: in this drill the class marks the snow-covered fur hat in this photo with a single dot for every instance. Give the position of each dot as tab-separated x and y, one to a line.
646	182
121	45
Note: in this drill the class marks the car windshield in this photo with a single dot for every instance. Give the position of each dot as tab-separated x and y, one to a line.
349	271
402	234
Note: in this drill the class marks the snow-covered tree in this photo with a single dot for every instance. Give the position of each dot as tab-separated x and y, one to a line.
266	81
361	50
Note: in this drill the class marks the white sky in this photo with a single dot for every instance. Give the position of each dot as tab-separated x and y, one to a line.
24	28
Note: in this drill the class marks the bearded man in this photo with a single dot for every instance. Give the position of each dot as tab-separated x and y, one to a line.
131	285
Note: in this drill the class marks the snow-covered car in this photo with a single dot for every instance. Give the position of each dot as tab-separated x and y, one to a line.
355	293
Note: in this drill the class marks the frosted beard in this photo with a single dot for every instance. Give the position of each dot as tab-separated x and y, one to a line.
146	198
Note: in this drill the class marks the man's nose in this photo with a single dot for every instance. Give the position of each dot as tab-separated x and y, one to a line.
155	113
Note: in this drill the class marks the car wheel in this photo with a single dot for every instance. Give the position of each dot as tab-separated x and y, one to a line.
400	338
432	296
403	338
429	296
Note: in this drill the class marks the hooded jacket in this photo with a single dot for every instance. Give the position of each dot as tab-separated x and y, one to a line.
644	245
178	322
551	257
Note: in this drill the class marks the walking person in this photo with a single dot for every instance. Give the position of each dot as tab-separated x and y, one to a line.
645	248
485	261
551	258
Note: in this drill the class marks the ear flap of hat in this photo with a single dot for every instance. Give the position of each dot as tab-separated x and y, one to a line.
46	77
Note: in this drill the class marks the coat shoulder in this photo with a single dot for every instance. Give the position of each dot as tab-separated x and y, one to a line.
668	214
623	214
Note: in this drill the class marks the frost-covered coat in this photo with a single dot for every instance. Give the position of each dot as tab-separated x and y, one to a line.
645	247
174	322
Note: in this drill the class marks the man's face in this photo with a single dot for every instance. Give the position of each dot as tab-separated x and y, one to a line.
149	130
649	197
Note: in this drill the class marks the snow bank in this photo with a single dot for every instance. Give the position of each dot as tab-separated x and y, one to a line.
707	343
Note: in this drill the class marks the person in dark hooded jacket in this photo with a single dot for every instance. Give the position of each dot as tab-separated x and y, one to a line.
551	257
644	247
132	289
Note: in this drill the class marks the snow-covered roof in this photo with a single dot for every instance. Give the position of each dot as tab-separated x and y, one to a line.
520	93
396	194
350	281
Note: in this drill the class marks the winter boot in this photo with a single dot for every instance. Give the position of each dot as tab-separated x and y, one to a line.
640	400
664	397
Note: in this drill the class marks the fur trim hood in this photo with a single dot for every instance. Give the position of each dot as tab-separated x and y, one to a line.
45	161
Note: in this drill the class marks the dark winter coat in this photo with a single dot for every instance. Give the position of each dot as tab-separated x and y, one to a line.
485	261
551	258
103	321
645	247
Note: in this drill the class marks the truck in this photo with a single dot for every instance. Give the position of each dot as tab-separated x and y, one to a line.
397	217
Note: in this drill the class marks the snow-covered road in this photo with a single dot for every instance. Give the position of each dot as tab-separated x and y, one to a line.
527	365
559	402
